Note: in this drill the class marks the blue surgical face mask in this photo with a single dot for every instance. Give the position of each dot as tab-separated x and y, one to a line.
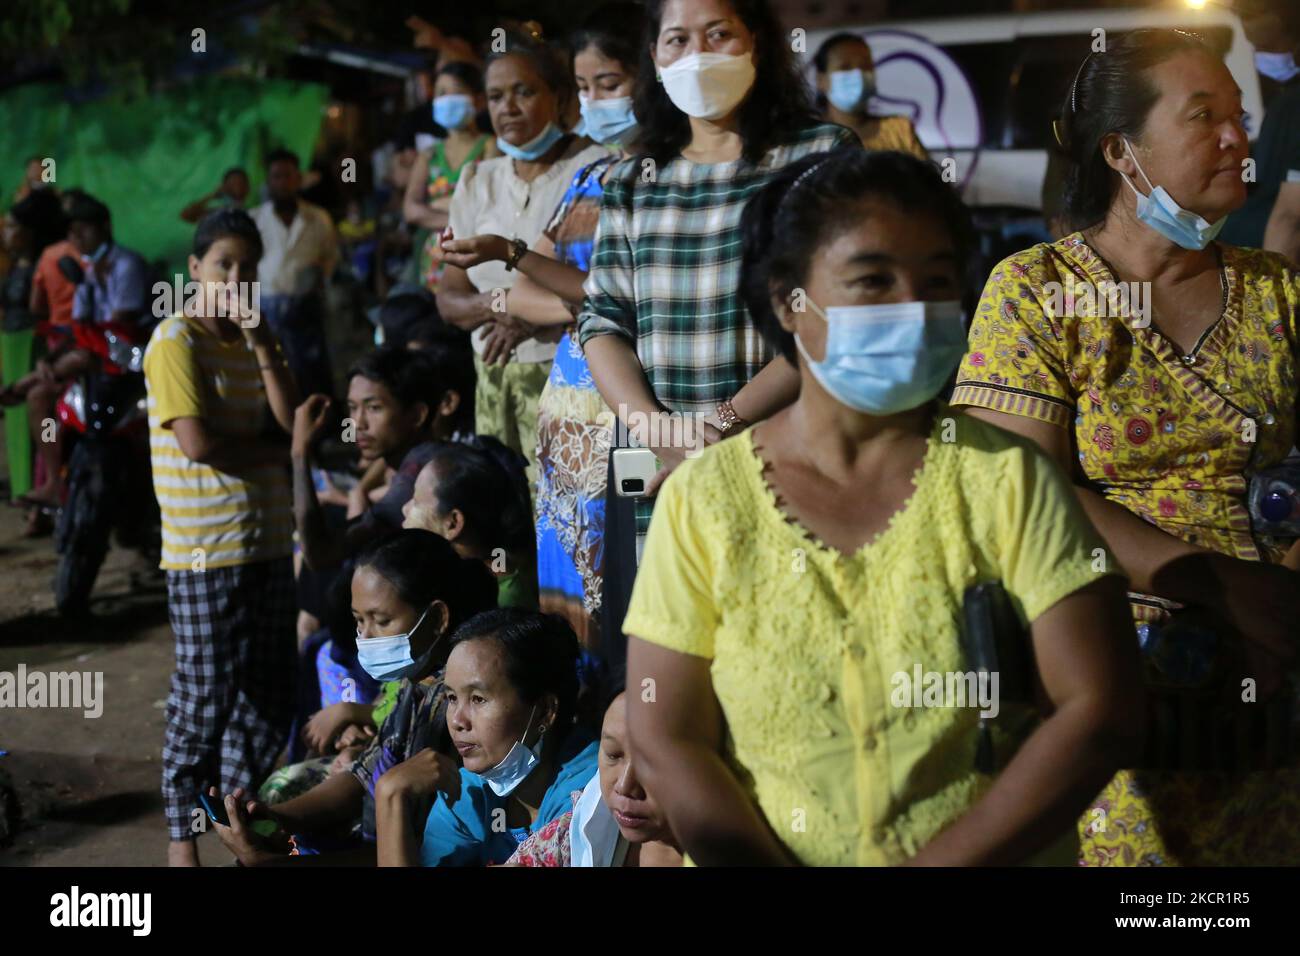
539	147
850	89
1159	211
1277	66
609	121
453	111
885	359
389	658
517	765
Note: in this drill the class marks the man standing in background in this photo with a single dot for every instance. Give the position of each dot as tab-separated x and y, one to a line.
300	251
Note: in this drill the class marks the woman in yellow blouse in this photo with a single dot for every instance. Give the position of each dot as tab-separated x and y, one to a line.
796	642
1159	369
846	80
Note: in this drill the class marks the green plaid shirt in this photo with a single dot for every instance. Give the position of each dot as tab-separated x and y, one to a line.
665	273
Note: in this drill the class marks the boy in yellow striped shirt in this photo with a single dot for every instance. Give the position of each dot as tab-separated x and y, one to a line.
221	403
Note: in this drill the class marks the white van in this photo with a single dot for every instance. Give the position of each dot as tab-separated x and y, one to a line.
985	89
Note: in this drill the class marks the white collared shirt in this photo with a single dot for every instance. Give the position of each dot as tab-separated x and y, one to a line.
296	259
491	199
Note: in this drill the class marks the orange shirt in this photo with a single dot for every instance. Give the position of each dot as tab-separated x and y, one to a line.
58	290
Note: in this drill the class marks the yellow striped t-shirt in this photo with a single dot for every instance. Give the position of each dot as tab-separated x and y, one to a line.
207	514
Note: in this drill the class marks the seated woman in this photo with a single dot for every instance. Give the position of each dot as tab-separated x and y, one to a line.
618	823
410	590
1158	367
475	495
809	695
512	687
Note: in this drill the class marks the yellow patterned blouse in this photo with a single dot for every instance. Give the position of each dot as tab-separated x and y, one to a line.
896	133
1171	437
810	647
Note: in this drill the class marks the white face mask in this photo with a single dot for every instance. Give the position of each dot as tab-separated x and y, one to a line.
709	85
517	765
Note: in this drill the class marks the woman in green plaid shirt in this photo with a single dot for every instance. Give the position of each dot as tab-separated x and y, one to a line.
722	109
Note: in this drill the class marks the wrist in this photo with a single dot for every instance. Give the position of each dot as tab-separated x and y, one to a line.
729	422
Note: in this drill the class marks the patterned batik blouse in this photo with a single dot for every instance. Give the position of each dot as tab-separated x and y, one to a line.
1173	438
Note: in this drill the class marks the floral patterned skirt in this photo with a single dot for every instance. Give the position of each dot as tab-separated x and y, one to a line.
574	431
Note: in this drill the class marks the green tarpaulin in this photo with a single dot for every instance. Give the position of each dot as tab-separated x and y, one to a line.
148	158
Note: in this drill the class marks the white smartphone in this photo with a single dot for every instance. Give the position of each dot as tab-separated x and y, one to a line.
633	469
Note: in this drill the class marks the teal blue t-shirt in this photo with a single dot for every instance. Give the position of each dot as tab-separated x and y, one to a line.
461	834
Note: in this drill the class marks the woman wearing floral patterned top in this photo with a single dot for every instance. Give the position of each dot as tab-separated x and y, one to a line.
1159	368
457	99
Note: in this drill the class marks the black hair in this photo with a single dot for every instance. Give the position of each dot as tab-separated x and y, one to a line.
282	154
1112	93
223	223
83	207
467	73
821	59
233	170
554	69
541	656
786	222
42	215
422	567
451	364
487	483
612	29
404	307
777	108
406	373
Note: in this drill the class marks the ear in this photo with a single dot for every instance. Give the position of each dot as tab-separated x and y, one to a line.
420	411
441	616
550	707
455	524
824	82
1117	156
781	306
449	403
194	267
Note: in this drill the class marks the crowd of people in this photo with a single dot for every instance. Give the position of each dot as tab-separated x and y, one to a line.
660	235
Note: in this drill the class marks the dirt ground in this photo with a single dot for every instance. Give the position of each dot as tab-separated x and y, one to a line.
88	789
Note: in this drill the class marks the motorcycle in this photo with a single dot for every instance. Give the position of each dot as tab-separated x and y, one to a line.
109	483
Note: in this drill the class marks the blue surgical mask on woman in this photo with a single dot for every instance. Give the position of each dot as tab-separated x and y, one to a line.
1165	216
888	358
538	147
850	89
389	658
517	765
1280	67
453	111
608	121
